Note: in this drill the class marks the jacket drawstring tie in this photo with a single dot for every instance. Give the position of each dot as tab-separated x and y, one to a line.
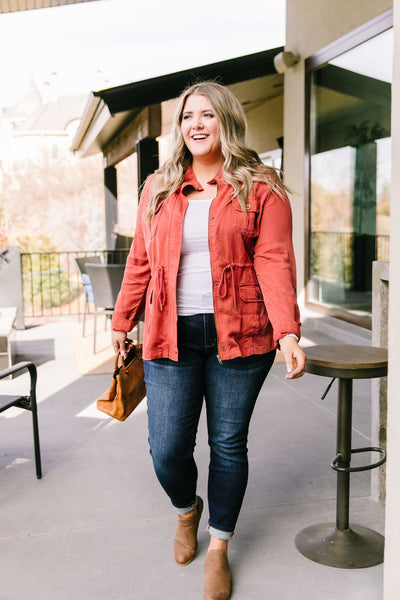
160	287
223	285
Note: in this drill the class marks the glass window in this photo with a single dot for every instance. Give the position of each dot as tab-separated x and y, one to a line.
350	149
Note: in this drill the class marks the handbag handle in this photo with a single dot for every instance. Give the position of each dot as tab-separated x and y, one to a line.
116	367
123	364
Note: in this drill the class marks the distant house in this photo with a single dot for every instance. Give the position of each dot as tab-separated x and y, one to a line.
43	186
39	123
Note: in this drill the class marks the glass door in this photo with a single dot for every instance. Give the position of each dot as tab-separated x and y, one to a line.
350	156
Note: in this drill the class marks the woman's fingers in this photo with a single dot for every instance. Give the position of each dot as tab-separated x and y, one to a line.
294	357
118	339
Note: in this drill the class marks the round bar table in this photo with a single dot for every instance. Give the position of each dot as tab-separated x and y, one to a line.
338	544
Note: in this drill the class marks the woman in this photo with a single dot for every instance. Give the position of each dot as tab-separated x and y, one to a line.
212	266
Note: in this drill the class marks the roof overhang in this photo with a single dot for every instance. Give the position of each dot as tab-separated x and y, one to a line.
98	126
108	111
8	6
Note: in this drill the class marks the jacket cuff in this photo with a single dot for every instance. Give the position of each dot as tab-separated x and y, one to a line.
284	329
121	324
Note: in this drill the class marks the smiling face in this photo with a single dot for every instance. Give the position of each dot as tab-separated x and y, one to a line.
201	129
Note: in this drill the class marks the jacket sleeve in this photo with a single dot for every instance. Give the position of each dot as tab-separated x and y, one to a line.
275	265
131	299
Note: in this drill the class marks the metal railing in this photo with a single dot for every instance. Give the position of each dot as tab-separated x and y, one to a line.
52	286
51	282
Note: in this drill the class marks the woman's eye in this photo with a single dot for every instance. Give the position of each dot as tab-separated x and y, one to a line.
210	115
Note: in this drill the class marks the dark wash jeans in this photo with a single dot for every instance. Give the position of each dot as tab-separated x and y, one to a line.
175	392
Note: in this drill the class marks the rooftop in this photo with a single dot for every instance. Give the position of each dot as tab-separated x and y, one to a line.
34	113
99	527
7	6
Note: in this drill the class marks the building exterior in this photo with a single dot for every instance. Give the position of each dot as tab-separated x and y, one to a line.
349	56
39	123
338	149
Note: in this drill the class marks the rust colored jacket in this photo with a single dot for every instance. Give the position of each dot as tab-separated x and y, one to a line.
252	267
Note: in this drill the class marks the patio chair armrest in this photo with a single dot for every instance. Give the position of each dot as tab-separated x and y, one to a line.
19	367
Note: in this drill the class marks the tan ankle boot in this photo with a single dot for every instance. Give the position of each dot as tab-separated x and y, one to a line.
217	581
185	541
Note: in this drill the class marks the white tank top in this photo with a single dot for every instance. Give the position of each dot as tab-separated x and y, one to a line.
194	284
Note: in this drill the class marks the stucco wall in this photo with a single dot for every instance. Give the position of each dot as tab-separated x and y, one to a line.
310	26
265	125
293	136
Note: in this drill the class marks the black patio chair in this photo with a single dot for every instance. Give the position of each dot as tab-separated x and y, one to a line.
106	282
26	402
87	286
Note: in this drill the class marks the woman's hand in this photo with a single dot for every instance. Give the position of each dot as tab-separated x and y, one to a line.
294	357
118	340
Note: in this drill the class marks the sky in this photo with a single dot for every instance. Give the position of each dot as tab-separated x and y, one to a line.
367	59
100	44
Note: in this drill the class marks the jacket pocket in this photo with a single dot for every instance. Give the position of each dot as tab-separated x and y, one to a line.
250	292
254	318
246	223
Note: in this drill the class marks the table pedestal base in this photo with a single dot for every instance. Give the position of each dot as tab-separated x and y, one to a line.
349	549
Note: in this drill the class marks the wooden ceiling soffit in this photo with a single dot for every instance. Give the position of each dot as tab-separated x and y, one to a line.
8	6
147	124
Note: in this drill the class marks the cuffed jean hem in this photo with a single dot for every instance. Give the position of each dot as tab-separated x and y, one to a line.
186	509
219	533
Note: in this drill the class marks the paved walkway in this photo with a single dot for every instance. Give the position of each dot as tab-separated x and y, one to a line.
98	526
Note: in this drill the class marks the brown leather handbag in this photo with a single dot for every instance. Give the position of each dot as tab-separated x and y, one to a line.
127	388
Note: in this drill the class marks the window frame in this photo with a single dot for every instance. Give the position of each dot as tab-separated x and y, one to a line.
351	40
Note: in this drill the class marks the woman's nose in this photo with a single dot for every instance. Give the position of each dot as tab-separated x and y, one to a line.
197	122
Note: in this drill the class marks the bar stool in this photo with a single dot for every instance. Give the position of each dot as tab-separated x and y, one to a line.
339	545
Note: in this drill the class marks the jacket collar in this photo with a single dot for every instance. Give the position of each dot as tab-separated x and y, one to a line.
190	179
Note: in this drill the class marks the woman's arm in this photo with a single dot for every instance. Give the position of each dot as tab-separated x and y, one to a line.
275	267
132	296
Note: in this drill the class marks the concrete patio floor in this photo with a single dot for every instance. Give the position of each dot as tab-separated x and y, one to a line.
98	526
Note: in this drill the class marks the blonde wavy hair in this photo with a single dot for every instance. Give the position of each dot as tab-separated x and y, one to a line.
242	166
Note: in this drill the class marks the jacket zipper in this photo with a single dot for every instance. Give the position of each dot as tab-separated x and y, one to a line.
219	359
215	322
